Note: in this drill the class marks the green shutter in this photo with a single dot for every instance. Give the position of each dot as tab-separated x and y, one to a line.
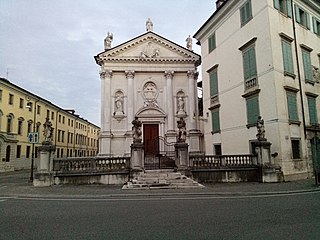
289	8
253	110
212	42
246	12
215	120
307	65
292	106
312	104
315	25
287	56
276	4
252	62
298	19
213	83
246	64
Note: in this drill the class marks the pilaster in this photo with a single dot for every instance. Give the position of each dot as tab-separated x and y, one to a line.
169	77
130	76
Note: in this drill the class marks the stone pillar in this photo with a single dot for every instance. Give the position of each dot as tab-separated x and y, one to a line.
171	134
106	108
182	156
137	157
193	101
270	171
130	114
44	174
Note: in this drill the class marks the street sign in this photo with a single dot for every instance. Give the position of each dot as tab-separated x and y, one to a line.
33	137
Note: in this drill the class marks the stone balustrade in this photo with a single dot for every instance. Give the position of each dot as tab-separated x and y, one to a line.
211	161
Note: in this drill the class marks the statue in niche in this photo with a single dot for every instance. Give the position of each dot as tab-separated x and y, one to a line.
182	136
149	25
118	104
47	132
180	106
136	129
108	41
189	43
260	128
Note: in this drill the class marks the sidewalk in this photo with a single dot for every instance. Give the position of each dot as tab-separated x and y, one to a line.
15	184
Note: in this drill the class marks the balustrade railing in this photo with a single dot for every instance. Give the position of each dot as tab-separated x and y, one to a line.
90	165
218	161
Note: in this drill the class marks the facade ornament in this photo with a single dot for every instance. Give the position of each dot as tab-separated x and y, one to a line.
47	132
150	94
260	128
108	41
168	74
189	43
316	74
150	51
136	129
129	74
181	104
105	74
193	74
149	25
182	130
118	104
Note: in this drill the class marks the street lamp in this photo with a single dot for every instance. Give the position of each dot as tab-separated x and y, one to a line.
33	137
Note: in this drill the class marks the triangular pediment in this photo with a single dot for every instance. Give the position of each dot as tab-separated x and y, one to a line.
148	47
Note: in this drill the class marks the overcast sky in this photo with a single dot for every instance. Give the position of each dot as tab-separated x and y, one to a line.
48	47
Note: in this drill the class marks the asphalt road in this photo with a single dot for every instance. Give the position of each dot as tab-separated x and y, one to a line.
284	216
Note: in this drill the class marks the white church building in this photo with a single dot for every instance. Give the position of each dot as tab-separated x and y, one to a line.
153	79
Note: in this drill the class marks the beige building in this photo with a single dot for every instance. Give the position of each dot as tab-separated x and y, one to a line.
153	79
22	113
261	58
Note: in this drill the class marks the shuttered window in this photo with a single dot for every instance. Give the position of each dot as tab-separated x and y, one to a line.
283	6
246	13
212	42
253	111
215	120
316	25
307	65
249	63
214	83
312	104
302	16
292	106
287	56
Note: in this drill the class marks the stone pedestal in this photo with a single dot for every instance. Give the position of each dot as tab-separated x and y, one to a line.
182	156
137	157
270	171
44	174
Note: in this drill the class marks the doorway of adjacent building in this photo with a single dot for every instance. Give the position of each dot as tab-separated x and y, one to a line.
315	149
158	154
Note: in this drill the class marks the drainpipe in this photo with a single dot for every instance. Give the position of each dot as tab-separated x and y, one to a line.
298	69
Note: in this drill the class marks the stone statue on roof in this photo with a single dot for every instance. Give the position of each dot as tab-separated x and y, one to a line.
189	42
108	41
149	25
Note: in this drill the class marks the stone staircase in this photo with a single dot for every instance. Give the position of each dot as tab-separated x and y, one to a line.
161	179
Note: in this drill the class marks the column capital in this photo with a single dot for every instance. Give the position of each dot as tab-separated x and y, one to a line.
169	74
129	74
105	74
193	74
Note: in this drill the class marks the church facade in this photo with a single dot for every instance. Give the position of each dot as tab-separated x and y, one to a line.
154	80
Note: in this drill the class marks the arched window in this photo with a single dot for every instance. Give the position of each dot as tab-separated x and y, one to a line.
20	125
10	118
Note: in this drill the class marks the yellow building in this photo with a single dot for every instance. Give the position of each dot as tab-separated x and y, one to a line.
22	113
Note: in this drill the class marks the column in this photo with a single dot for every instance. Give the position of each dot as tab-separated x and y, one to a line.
192	77
169	76
130	94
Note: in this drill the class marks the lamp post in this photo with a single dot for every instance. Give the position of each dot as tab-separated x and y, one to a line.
33	141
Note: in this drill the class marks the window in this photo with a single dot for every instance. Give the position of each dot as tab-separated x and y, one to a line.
10	99
18	151
52	115
217	149
212	42
0	94
59	131
316	25
29	106
20	124
48	113
62	136
59	118
246	13
253	111
61	152
215	120
214	83
287	57
283	6
9	123
38	127
302	16
28	152
249	67
58	152
295	145
29	126
63	119
38	109
36	152
21	103
308	75
292	107
312	104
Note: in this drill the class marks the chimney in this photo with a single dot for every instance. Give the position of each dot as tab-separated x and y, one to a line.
219	3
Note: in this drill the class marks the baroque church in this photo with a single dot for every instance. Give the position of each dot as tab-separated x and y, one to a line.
154	80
